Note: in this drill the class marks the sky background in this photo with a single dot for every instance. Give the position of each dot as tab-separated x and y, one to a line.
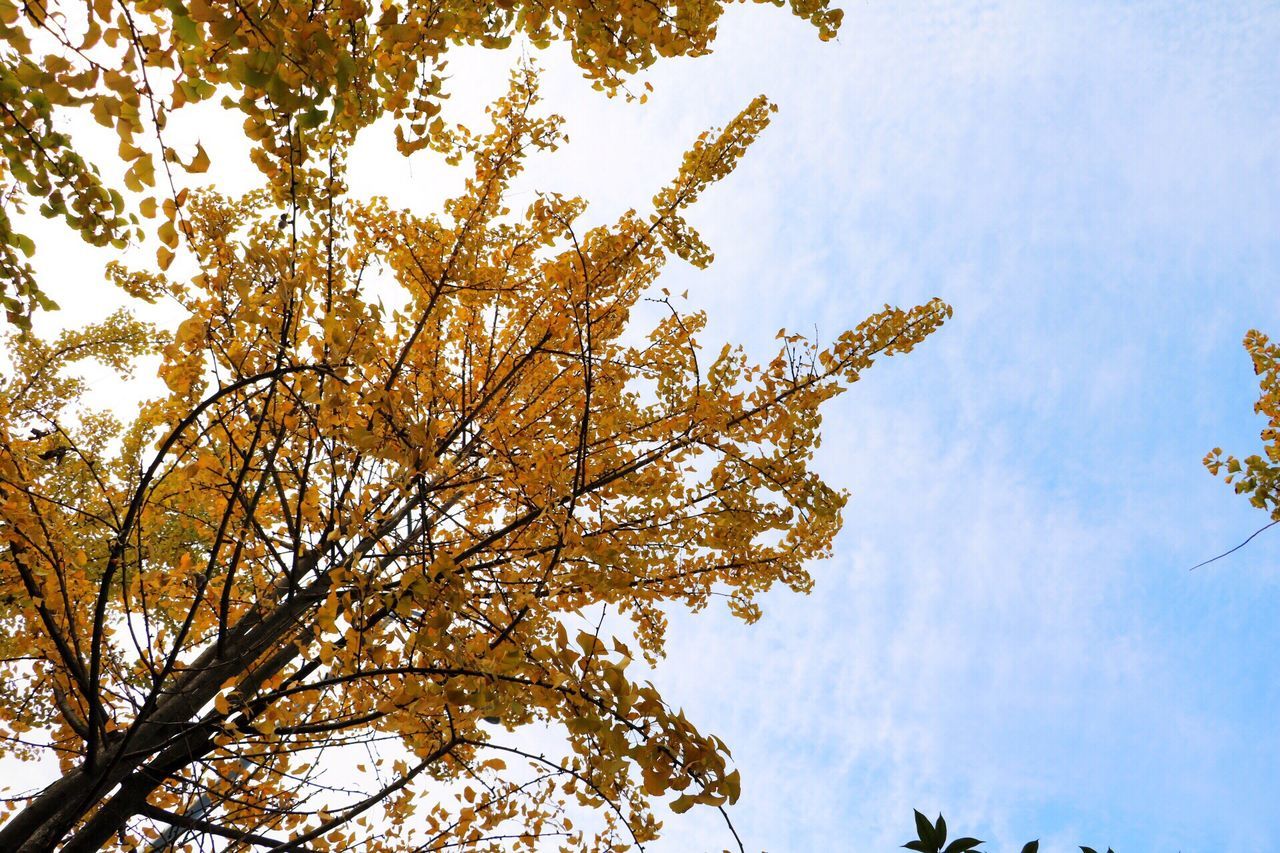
1008	632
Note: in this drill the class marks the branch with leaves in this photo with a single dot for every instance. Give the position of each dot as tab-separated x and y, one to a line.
305	77
385	538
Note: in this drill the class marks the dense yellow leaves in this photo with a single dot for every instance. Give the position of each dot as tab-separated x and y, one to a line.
420	529
306	78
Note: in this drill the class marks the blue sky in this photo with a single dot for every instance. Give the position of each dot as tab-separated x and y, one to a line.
1008	632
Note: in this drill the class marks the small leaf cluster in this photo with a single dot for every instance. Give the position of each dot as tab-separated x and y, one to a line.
932	836
39	163
1258	475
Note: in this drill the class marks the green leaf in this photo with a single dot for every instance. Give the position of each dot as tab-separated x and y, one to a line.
1031	846
920	846
962	845
185	28
940	831
311	118
924	829
345	69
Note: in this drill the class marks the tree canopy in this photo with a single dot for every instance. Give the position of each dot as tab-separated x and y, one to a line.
305	76
403	467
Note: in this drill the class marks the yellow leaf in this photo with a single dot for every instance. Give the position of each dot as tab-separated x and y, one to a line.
200	162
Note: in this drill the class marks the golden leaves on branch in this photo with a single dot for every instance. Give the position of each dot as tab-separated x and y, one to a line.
1258	475
306	78
420	515
713	156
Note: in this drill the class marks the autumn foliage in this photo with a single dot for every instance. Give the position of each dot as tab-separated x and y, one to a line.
305	76
379	536
417	491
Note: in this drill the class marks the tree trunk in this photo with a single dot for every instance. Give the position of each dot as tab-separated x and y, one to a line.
171	734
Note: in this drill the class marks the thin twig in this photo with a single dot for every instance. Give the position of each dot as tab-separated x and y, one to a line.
1237	548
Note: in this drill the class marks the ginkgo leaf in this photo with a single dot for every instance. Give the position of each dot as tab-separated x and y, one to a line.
200	162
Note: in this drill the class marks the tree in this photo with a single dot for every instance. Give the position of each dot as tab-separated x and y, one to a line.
306	76
389	536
